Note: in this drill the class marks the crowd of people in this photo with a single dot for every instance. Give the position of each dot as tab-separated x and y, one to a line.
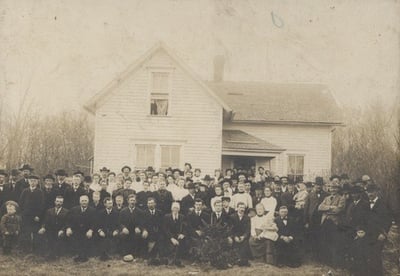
161	216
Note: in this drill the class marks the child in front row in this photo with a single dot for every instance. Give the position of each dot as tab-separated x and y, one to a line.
10	225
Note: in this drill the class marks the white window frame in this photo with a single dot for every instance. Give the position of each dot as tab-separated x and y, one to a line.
157	151
296	155
152	70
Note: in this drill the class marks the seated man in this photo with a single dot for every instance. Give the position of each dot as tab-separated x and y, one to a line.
80	225
287	243
174	228
153	223
219	216
107	228
196	221
54	225
240	234
131	222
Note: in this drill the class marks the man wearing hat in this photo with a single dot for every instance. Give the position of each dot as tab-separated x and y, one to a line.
188	201
379	221
104	174
10	187
332	208
48	192
126	170
312	217
226	206
356	213
60	185
31	203
3	189
23	183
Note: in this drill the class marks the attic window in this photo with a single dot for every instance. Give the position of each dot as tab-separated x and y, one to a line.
159	94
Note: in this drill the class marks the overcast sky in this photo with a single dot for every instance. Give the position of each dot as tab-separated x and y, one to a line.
63	52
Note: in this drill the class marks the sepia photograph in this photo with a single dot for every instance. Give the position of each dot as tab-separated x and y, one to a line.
200	137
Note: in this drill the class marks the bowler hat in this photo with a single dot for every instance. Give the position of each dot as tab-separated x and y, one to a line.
319	181
207	177
14	172
3	172
61	172
49	176
26	167
191	186
104	169
33	177
126	167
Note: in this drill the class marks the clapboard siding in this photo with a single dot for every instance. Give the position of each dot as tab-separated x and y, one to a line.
312	141
195	120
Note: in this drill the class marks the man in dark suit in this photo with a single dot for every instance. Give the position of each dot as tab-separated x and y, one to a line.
240	223
60	186
219	217
72	194
174	228
188	201
142	196
196	221
356	213
11	192
226	206
287	243
163	197
3	189
48	191
153	224
54	225
107	228
287	197
131	222
312	218
31	205
23	183
80	227
379	221
96	201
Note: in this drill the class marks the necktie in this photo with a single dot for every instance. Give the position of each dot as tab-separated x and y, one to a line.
218	215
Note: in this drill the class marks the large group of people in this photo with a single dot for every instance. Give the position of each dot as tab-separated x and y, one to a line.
161	216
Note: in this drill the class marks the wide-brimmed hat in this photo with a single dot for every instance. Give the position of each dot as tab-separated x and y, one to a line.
61	172
126	167
104	169
26	167
49	176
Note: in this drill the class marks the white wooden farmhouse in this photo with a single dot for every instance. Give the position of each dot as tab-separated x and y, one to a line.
159	113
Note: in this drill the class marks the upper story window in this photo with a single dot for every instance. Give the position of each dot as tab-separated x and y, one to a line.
159	94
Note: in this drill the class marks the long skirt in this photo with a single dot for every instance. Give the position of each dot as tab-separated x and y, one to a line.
263	248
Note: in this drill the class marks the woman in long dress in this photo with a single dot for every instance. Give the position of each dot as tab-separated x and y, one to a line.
264	233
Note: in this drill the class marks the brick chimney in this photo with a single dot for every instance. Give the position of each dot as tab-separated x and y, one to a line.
219	63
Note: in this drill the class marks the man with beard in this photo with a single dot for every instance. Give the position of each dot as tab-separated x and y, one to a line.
23	183
54	225
312	218
80	226
174	227
378	224
48	191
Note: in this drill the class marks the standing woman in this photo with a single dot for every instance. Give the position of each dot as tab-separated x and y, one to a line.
264	233
269	202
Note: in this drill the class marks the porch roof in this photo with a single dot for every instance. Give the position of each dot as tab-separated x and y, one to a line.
240	141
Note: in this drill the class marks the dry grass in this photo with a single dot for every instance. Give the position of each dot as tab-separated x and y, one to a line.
31	265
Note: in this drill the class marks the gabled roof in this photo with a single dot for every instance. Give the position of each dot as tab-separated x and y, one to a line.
98	99
260	102
237	140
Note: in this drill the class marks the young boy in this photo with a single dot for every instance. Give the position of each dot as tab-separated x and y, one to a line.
10	225
358	253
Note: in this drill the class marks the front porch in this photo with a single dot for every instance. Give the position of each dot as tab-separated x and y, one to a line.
242	150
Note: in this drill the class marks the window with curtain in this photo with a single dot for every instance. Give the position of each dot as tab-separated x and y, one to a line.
159	93
170	156
145	155
296	166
